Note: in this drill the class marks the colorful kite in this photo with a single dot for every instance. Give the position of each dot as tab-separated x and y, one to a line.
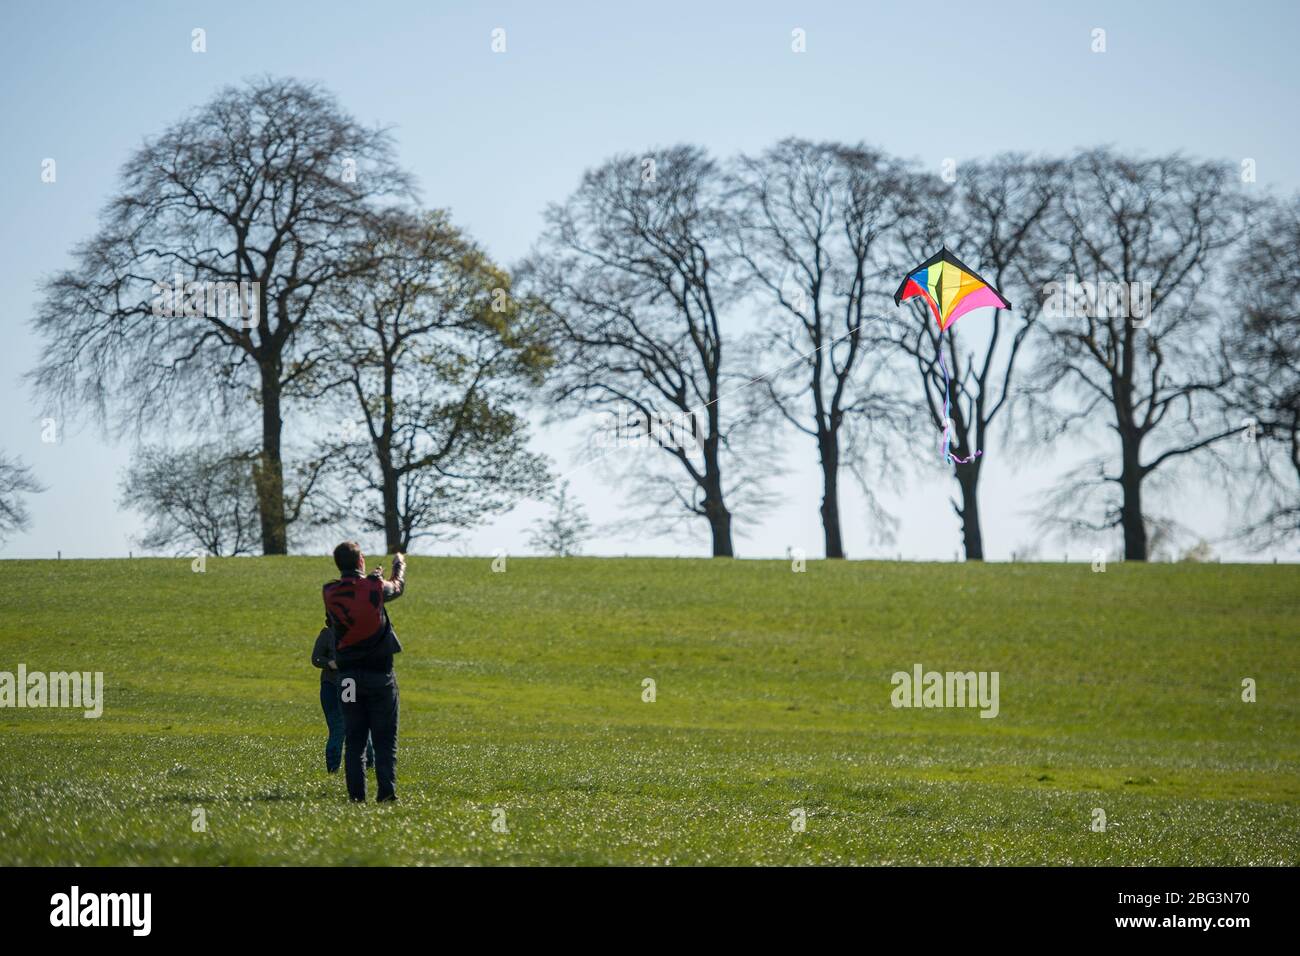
951	289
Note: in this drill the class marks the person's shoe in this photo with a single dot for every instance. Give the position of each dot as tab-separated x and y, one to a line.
392	799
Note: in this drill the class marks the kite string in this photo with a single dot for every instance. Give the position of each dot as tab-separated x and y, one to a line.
948	456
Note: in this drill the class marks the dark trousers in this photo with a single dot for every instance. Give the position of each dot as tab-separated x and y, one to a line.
372	713
329	704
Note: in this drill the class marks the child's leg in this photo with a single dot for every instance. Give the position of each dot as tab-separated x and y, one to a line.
329	703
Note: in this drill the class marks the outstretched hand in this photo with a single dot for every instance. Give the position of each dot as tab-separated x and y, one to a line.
399	561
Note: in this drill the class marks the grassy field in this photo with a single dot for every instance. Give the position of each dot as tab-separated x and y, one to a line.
523	690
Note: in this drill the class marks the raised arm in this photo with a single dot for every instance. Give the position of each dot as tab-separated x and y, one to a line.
395	585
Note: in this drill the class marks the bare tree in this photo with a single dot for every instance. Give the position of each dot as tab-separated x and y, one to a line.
1131	327
812	220
432	356
16	480
562	532
634	270
1263	349
201	290
201	496
995	214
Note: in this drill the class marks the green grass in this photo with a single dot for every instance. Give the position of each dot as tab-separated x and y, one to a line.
523	690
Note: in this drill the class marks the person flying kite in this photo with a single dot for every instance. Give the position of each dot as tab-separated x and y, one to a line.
951	289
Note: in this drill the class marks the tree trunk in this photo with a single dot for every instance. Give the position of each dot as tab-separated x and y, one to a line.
720	525
393	531
715	509
830	453
392	517
968	477
269	473
1135	529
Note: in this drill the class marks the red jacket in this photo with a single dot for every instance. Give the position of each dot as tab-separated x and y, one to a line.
364	638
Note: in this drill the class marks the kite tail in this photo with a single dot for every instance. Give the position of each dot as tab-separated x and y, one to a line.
948	456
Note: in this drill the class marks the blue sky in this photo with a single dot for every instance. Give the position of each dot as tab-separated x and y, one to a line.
495	137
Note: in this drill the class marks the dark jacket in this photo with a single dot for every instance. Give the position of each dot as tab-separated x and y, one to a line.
322	654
